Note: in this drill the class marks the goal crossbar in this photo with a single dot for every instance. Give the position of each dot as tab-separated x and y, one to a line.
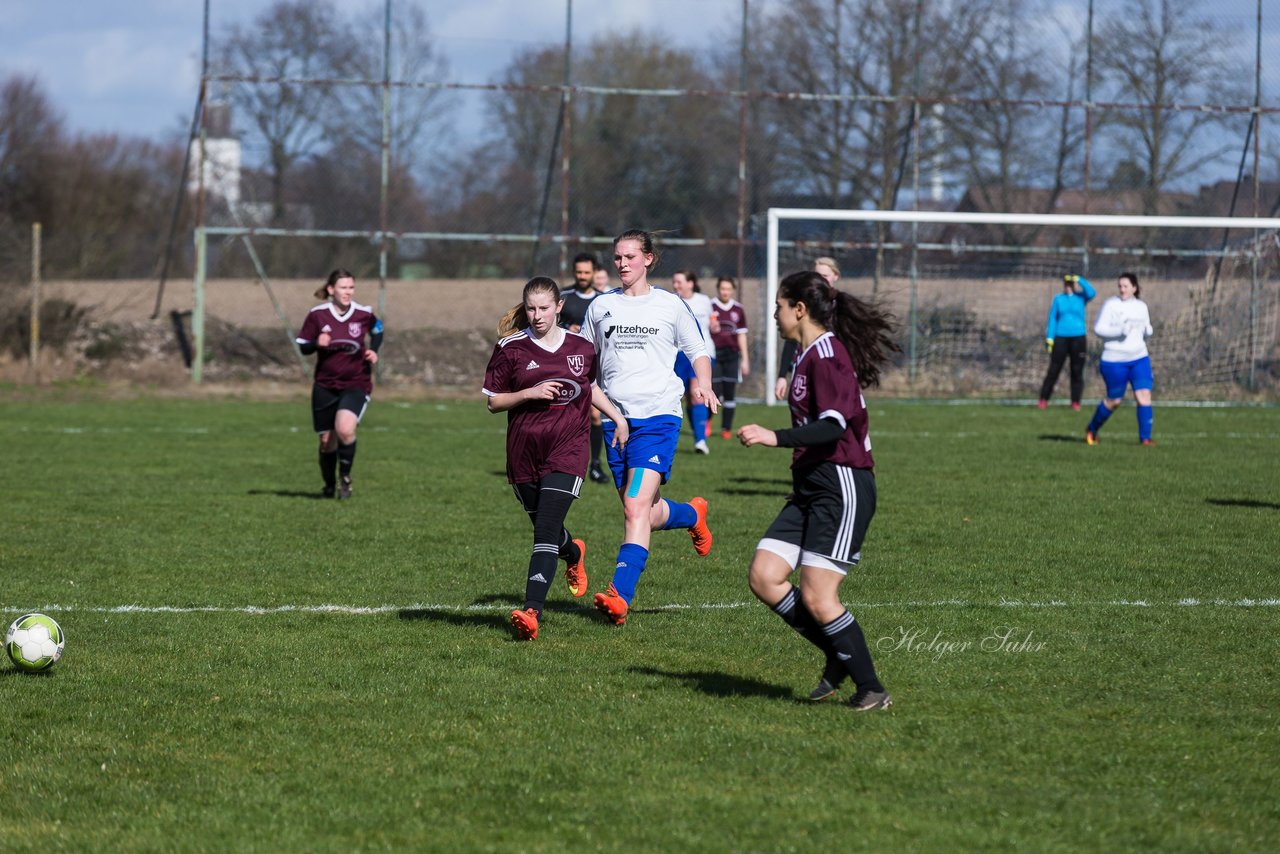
1102	221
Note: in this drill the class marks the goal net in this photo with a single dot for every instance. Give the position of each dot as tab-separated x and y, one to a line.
971	293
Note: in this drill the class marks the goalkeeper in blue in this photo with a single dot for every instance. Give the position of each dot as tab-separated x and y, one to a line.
1064	335
1124	324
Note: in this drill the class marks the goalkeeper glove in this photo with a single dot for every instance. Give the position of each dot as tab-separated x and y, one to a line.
1071	280
1048	343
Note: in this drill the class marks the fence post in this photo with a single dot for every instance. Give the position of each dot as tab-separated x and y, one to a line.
197	307
35	301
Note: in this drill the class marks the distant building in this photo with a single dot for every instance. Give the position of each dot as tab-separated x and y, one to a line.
222	165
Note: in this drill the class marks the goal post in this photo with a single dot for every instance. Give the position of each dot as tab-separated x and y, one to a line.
1226	313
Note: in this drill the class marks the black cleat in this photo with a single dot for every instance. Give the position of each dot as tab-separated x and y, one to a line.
344	487
328	491
823	690
597	474
868	701
832	675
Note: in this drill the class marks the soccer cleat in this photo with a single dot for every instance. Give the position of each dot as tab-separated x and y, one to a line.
868	701
1075	404
823	690
701	446
525	624
707	431
597	473
344	486
1090	437
699	532
575	575
328	490
613	606
726	434
1148	441
1043	404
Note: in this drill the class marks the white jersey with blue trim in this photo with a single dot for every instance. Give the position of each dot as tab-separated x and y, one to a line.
637	338
1123	325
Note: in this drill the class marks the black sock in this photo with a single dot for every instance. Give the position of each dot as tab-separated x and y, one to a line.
851	649
794	613
548	538
728	407
569	552
597	443
346	456
329	467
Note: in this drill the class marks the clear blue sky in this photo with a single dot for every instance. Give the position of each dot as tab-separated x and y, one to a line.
132	66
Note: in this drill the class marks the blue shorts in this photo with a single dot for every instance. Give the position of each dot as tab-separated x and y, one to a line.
1118	375
684	368
651	445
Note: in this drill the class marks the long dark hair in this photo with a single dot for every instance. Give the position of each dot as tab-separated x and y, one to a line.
515	319
322	292
864	328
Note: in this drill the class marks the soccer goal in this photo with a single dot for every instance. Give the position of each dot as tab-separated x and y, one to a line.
971	292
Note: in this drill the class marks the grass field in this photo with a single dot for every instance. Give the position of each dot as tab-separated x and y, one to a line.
251	668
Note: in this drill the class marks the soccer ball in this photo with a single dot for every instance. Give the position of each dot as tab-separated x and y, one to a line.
34	642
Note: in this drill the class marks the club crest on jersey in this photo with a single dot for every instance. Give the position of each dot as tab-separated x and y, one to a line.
577	364
355	329
798	387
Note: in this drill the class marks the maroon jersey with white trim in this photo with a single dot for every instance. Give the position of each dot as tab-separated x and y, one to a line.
825	385
545	436
341	365
733	319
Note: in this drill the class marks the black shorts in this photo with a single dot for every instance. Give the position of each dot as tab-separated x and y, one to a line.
825	519
728	366
558	481
325	403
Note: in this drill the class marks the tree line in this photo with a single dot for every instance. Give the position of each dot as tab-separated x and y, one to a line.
979	95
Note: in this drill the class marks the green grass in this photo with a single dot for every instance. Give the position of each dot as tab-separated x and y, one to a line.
233	722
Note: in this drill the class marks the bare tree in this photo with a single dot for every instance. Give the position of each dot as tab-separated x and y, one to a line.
298	40
30	135
1162	54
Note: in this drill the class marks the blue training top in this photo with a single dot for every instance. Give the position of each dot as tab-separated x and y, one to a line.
1066	312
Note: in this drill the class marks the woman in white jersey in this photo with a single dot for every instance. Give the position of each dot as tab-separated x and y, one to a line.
637	330
685	284
1124	324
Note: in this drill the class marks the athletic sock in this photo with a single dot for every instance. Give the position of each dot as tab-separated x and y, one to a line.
1145	418
1100	416
631	560
346	456
699	415
597	443
542	569
793	612
851	648
679	516
727	410
329	468
569	552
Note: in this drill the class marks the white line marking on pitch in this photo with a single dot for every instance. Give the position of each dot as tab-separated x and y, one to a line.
365	610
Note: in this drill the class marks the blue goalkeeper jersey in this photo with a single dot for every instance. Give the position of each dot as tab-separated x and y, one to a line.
1066	313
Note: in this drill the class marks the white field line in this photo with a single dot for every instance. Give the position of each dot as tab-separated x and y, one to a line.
370	610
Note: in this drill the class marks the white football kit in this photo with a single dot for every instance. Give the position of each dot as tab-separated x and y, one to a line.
637	338
1123	325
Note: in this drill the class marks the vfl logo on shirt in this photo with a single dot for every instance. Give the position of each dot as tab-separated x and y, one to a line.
799	387
577	364
355	329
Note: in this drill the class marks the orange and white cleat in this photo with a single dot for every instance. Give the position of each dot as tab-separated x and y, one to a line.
613	606
575	575
699	531
1090	437
525	624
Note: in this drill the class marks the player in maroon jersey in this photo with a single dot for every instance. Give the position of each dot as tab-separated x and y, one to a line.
733	359
336	330
843	341
543	377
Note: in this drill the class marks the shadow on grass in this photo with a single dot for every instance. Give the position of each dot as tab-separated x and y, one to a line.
457	618
1060	437
38	674
780	492
722	684
1242	502
290	493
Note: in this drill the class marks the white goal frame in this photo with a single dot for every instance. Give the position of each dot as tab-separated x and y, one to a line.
777	215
